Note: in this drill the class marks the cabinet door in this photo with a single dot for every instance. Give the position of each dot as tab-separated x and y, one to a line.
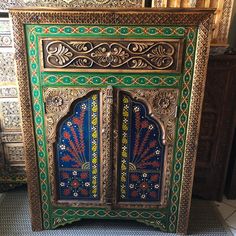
146	128
74	122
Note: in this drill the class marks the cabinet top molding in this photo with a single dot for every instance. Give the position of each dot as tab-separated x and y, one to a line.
127	10
142	16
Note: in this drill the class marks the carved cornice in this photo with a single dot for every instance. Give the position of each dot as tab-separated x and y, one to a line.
121	17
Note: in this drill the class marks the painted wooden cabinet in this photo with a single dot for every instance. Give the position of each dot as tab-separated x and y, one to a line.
111	103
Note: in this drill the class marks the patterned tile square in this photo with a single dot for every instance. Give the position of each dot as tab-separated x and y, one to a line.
229	202
231	221
233	231
224	209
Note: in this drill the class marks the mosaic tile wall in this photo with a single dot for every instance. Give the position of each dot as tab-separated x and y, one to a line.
12	164
5	4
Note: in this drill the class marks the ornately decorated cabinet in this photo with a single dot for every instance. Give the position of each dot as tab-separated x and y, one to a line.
111	103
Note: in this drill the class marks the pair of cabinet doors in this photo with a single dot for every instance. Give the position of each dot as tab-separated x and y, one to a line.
111	112
110	147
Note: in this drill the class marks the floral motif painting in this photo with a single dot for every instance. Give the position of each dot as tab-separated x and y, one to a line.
141	152
77	151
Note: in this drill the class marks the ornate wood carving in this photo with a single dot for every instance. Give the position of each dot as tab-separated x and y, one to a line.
173	218
194	121
164	55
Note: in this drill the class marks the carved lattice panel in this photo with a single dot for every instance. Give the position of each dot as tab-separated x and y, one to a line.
10	115
14	154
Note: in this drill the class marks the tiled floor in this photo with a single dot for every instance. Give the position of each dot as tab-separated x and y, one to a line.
1	196
227	209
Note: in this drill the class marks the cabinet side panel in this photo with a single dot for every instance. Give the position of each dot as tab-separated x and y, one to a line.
201	60
27	121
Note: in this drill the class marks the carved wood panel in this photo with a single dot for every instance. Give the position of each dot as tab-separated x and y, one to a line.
133	55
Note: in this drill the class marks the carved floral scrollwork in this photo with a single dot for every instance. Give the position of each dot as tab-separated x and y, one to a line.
61	54
165	102
161	55
124	55
57	103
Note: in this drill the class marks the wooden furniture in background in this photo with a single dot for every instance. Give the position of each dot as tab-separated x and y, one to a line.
230	186
221	20
217	128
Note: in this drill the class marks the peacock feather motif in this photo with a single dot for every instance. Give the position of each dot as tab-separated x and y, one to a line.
73	137
76	146
142	152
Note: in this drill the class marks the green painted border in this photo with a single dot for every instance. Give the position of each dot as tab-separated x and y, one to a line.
55	216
